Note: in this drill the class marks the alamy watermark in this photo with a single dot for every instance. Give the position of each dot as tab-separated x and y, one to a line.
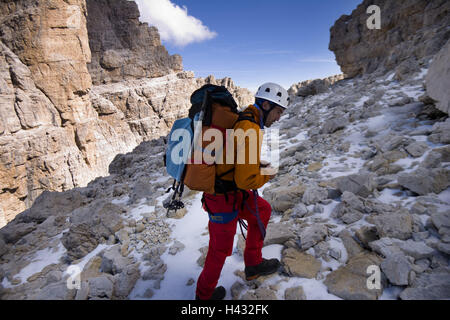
74	17
74	280
374	280
374	21
233	147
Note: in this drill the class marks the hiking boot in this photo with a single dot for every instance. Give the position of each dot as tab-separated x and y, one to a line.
266	267
218	294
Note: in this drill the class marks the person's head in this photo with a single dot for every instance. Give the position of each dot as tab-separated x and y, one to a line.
273	100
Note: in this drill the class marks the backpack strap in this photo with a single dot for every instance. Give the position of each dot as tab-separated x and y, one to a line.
245	115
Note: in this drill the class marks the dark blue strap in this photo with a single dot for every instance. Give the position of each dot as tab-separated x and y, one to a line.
223	218
261	226
261	124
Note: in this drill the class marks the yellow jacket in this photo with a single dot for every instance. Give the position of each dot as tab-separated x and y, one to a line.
246	173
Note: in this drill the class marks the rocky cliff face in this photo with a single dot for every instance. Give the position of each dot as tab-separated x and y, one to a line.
58	130
412	31
44	93
438	79
312	87
122	47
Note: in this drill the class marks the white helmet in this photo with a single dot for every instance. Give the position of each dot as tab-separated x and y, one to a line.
274	93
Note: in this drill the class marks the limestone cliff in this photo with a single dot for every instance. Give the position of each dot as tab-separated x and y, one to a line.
412	31
58	130
122	47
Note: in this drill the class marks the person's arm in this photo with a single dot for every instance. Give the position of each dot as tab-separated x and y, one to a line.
247	175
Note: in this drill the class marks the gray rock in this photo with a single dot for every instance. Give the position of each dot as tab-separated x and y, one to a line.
389	246
352	201
55	291
176	247
397	267
3	247
89	224
417	149
12	232
236	290
101	288
314	194
351	217
113	262
436	157
300	210
125	281
312	235
334	124
278	233
361	184
349	282
156	272
423	181
391	142
284	197
352	247
440	132
366	235
335	254
444	247
260	294
395	225
299	264
437	80
441	219
421	265
294	293
429	286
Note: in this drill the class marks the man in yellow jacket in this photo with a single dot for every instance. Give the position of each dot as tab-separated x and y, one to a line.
236	197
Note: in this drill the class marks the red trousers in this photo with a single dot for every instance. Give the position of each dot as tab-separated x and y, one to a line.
221	237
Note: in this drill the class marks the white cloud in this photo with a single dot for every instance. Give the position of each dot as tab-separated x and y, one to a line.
173	22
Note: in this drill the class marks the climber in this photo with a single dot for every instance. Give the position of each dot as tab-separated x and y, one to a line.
236	199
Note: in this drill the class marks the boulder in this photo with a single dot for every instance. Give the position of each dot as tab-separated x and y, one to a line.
54	291
429	286
395	225
438	79
389	246
283	198
299	264
278	233
361	184
397	267
310	236
440	132
349	282
334	124
352	247
125	281
113	262
314	194
294	293
423	181
417	149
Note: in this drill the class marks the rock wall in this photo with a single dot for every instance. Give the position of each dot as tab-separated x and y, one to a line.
122	47
312	87
412	31
44	95
438	79
58	130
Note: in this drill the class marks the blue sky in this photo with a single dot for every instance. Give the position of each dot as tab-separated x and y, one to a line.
251	41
